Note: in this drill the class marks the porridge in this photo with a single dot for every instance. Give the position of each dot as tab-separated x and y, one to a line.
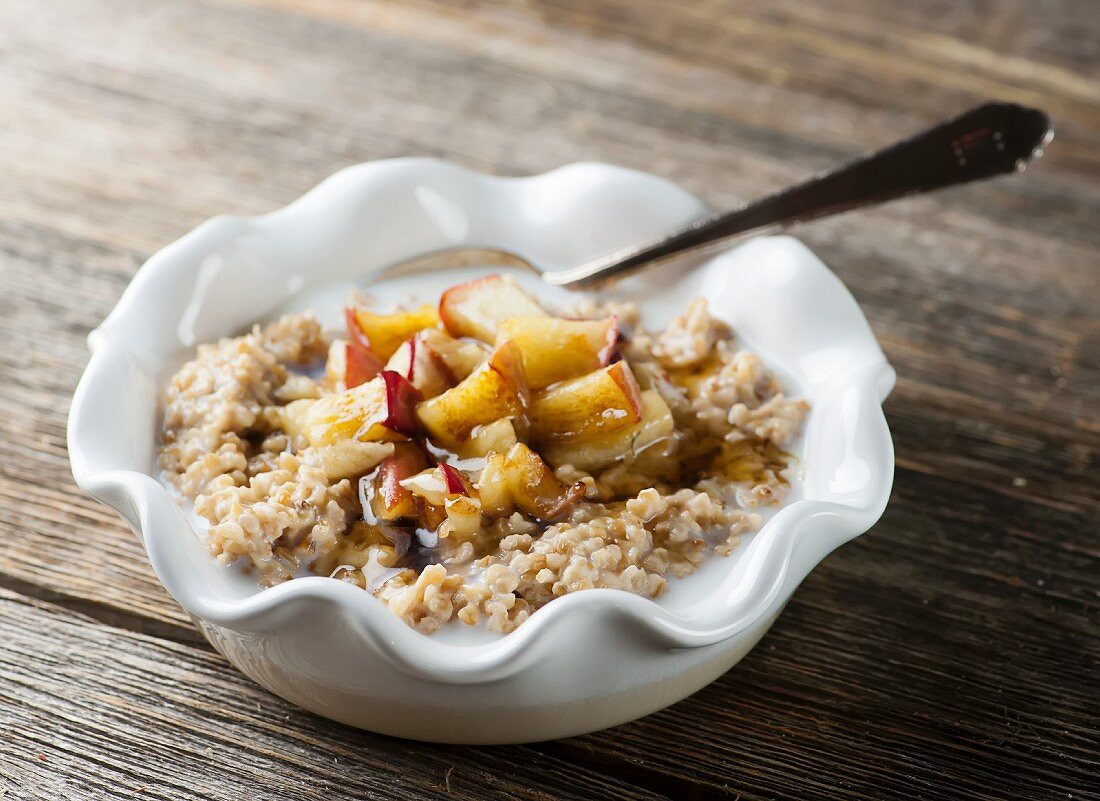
472	461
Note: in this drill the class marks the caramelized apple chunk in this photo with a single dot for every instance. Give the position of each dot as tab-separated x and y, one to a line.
349	364
462	356
383	409
422	366
495	437
347	458
601	451
386	332
603	401
474	309
520	479
385	498
555	349
445	502
495	390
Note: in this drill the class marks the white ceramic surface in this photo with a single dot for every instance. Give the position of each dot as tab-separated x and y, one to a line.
585	661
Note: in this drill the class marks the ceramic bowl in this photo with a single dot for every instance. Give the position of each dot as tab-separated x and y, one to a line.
585	661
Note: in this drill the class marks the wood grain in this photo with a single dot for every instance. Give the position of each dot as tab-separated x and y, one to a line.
951	652
109	713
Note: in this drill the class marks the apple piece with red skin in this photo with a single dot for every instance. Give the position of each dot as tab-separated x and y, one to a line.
555	349
384	333
355	333
422	366
598	403
349	365
401	400
361	365
453	480
521	479
474	309
442	494
436	484
383	409
655	427
462	508
496	389
462	356
389	500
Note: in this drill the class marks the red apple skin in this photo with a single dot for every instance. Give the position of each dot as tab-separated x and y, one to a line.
422	366
625	378
413	353
361	362
577	409
456	484
360	366
401	400
609	350
392	501
355	333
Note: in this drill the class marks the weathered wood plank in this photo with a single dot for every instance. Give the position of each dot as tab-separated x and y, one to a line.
105	713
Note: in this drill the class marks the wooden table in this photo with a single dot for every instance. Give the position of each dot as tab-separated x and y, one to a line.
951	652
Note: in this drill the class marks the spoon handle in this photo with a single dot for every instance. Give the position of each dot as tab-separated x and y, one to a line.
988	140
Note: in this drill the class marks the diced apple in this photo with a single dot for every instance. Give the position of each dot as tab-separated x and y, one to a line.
347	458
462	356
355	333
493	487
351	359
429	516
387	499
422	366
442	494
383	409
453	479
495	437
361	365
386	332
463	517
598	452
496	389
474	309
521	479
555	349
602	401
428	484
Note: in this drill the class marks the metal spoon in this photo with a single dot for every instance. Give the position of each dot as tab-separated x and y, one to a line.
986	141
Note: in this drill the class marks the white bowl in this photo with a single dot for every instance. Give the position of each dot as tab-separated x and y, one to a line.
587	660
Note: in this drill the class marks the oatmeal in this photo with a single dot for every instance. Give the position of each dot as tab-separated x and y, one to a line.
474	460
